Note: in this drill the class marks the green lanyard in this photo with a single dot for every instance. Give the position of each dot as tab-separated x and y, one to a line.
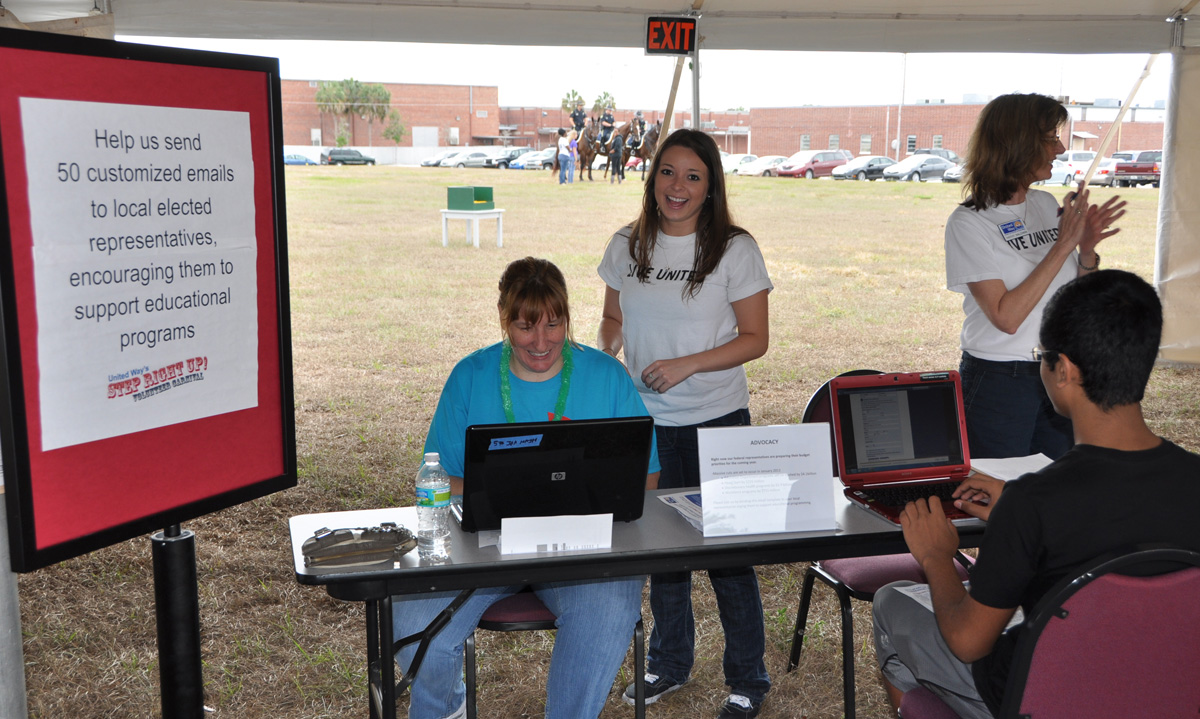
506	384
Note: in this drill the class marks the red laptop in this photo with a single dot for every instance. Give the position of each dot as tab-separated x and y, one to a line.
900	437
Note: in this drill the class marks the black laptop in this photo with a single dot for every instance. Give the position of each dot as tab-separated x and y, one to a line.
544	469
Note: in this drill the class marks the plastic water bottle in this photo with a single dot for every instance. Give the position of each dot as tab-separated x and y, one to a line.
433	510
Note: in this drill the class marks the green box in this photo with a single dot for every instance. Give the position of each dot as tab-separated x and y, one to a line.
469	198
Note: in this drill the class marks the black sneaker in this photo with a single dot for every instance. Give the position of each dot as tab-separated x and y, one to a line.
656	688
739	707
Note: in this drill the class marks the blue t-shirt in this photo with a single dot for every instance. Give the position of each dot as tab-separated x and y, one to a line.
600	388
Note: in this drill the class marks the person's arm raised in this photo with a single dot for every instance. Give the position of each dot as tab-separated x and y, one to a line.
1007	308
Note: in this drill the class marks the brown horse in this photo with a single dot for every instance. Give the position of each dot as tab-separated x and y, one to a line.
645	148
588	142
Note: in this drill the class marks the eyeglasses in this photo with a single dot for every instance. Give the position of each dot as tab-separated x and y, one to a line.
1040	354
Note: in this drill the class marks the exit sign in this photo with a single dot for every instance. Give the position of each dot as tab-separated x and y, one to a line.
670	35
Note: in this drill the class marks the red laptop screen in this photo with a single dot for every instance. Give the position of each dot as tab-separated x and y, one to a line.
899	427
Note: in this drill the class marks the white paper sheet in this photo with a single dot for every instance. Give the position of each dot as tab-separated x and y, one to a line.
145	265
564	533
759	480
1011	467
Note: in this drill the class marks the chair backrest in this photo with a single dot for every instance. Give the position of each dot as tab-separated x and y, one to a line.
820	409
1107	644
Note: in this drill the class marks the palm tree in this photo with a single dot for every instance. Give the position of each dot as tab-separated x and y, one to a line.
603	101
569	100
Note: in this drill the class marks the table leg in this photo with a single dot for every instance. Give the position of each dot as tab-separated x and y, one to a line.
468	228
475	235
374	657
445	230
500	230
388	663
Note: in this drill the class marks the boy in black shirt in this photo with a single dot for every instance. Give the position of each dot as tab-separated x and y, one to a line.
1099	338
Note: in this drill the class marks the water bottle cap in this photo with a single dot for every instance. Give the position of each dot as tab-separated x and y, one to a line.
432	457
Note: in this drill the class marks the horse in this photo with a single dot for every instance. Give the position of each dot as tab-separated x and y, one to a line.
646	147
588	142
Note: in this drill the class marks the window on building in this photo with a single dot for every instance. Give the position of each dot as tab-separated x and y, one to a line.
835	141
864	144
937	142
805	142
912	144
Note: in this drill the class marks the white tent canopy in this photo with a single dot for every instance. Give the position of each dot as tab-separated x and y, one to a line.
1061	26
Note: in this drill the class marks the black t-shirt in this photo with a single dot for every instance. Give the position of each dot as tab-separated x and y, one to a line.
1091	502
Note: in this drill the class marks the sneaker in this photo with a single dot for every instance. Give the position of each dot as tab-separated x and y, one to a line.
656	688
739	707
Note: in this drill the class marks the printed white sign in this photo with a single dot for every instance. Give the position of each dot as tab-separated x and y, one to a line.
144	254
758	480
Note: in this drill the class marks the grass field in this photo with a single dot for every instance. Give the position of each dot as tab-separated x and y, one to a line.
380	313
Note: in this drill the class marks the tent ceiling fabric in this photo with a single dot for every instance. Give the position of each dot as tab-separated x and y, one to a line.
1060	26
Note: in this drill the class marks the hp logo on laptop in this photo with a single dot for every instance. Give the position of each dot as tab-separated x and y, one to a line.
557	476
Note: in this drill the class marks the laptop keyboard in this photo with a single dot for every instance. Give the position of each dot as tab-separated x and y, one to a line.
900	495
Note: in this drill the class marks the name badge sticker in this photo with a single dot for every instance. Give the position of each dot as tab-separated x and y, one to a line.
1008	229
529	440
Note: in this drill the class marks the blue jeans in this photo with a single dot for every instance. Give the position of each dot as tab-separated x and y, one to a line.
1008	412
564	164
571	171
673	640
595	624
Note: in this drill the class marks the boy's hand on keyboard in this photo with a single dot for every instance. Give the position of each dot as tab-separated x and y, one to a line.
977	495
929	535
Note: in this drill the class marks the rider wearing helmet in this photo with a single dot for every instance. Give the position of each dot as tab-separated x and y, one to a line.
607	123
637	129
579	116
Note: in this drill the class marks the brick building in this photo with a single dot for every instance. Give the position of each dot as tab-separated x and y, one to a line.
438	116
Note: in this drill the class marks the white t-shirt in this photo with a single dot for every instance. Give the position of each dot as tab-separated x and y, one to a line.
1005	243
659	323
564	145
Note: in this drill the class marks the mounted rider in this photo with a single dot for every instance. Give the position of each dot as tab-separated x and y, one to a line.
579	116
607	123
637	130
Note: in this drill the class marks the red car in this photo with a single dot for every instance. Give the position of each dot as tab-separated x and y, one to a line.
814	163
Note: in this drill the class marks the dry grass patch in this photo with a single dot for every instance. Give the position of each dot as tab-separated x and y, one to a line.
380	313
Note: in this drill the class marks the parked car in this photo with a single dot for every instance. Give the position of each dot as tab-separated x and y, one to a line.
950	155
1078	161
809	164
919	168
1145	169
767	166
1106	173
502	157
729	163
1060	174
345	156
471	157
297	160
436	160
534	160
954	174
864	167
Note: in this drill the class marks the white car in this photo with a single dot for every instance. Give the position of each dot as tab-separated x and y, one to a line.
1078	162
767	166
729	163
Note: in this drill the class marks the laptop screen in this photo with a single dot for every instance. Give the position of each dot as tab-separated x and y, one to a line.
896	427
541	469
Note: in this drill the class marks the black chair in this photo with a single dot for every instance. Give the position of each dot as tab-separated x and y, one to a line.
857	577
524	612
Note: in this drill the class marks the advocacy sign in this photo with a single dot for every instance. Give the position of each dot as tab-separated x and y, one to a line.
146	370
